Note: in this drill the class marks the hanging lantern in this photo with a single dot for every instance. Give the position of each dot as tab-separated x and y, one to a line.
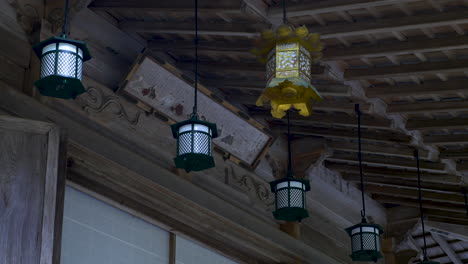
61	67
290	193
290	198
194	144
365	242
288	56
365	238
194	137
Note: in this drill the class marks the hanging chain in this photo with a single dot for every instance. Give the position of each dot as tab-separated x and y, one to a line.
416	155
465	194
284	12
290	171
65	20
195	106
363	212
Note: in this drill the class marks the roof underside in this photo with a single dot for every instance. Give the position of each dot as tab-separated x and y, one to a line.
405	62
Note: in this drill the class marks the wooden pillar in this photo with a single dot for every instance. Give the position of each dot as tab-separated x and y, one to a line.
388	250
293	229
32	181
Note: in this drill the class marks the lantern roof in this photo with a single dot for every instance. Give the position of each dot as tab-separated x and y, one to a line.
194	120
286	179
80	44
288	34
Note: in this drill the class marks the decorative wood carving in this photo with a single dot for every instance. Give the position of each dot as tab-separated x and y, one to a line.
96	101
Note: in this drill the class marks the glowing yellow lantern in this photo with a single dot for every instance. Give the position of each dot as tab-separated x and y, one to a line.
288	56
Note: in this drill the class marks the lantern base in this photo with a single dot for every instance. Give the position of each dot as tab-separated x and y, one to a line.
366	255
291	214
60	87
194	162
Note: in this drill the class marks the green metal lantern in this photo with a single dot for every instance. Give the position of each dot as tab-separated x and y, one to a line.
194	144
290	198
61	67
365	241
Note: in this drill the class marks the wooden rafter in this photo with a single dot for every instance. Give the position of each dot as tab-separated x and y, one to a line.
426	124
446	139
396	48
391	150
308	9
444	245
174	6
428	107
386	161
433	87
407	70
413	193
368	121
394	173
414	203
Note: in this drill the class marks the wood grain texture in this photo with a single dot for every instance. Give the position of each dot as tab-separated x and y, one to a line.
29	183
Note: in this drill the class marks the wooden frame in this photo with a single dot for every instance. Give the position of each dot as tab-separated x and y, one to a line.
52	210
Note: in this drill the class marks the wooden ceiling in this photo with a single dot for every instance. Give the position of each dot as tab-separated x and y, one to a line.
405	62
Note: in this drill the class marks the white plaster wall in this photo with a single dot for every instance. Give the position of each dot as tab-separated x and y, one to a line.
97	233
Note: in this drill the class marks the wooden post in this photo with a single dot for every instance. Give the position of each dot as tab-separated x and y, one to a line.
293	229
388	249
32	182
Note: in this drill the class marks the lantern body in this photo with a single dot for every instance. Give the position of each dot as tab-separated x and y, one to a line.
365	242
194	144
61	67
290	198
288	56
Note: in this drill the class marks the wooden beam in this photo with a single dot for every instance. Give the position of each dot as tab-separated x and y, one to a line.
415	203
427	107
308	9
462	165
175	6
413	193
342	119
444	214
453	231
442	241
257	85
436	88
394	150
393	24
226	29
243	67
394	173
399	182
407	70
446	139
395	48
347	134
386	161
217	46
458	153
426	124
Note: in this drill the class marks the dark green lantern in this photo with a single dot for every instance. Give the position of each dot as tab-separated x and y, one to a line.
365	241
61	64
290	192
365	238
194	136
61	67
290	198
194	144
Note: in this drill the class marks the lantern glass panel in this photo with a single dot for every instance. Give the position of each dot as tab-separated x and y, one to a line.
290	194
63	59
194	138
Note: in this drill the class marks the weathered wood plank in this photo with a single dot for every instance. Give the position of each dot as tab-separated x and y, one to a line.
31	191
437	88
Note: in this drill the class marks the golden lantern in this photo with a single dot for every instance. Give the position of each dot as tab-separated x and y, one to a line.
288	54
